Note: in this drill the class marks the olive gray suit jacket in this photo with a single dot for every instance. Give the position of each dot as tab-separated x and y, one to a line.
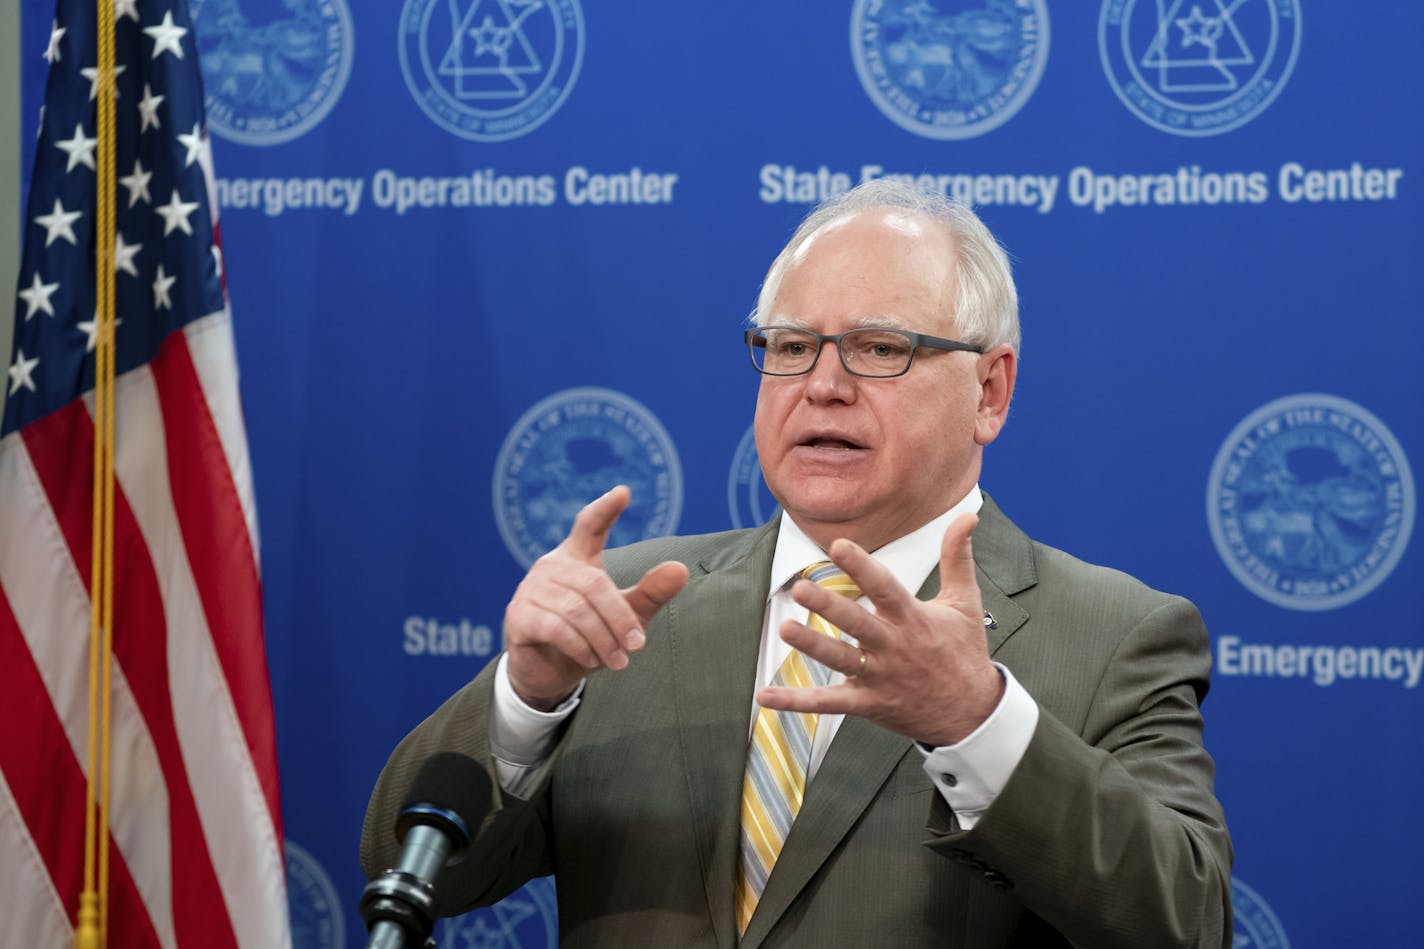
1107	833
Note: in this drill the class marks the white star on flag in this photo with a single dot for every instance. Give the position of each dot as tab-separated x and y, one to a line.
166	36
37	296
137	183
56	33
79	149
92	74
193	141
161	285
175	214
148	110
59	223
124	255
90	329
20	373
126	8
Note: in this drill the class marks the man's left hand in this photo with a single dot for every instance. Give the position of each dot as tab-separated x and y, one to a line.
926	672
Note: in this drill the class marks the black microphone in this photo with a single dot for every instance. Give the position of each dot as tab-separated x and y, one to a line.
447	801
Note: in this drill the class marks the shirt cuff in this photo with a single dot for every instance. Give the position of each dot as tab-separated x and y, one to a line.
521	737
971	773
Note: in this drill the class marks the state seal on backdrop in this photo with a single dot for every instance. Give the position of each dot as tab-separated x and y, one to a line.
950	70
569	449
1310	502
1202	67
490	70
1253	924
749	502
313	907
526	919
271	70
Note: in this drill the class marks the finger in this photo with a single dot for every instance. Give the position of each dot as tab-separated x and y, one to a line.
843	613
655	589
835	654
842	699
552	630
589	534
956	559
579	629
875	580
592	590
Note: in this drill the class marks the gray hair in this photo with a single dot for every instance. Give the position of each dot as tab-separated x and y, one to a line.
986	309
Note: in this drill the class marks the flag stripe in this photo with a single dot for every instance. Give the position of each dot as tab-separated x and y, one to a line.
219	550
24	879
210	343
61	447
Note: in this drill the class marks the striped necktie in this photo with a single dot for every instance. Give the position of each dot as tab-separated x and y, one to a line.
780	751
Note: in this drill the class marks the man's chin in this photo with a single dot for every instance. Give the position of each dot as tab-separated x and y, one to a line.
828	508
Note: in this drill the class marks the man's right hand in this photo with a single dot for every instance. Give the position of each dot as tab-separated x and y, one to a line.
567	618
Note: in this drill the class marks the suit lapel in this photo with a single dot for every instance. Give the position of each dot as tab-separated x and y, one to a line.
714	627
1004	566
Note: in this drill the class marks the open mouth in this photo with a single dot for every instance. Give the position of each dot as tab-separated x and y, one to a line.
831	443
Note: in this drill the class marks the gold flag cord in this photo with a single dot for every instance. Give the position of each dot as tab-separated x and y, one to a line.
92	929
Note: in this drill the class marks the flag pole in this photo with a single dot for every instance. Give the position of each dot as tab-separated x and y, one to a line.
92	929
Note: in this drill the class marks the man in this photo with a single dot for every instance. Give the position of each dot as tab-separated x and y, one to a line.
1011	758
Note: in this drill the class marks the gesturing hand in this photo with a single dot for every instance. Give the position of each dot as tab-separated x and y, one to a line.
567	618
926	672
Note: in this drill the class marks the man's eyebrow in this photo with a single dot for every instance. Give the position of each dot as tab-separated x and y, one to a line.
879	322
784	319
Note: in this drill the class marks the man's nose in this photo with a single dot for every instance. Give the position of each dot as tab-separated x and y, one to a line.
829	380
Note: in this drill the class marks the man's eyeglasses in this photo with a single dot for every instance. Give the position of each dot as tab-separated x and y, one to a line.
872	352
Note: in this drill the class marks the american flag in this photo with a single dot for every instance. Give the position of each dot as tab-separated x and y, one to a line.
195	834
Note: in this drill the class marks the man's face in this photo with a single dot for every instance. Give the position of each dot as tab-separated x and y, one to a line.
873	459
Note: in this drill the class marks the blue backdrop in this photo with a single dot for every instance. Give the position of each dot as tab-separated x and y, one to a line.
488	257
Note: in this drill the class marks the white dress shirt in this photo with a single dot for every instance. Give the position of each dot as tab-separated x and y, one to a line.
968	774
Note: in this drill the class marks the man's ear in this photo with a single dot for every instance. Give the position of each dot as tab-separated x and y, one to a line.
998	368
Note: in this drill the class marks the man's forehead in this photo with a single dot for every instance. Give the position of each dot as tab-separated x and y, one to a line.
901	221
867	321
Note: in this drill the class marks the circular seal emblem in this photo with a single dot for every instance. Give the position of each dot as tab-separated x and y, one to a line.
570	448
953	70
312	903
1253	924
1198	68
490	70
1310	502
748	501
271	70
526	919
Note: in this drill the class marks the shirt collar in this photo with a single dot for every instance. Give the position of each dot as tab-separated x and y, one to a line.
910	559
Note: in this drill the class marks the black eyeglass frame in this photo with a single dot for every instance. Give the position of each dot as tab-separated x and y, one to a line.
755	338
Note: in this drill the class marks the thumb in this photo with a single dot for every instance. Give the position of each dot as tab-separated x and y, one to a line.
658	586
956	558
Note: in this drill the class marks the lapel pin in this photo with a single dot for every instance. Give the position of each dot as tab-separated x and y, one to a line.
989	621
